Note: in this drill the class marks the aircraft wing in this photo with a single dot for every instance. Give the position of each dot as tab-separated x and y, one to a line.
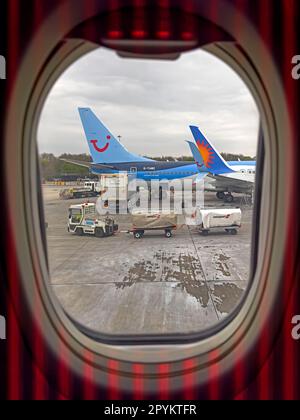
89	164
232	182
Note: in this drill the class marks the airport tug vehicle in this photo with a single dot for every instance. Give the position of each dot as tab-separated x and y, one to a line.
215	220
83	219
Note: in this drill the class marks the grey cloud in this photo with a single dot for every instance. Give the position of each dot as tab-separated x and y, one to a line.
151	104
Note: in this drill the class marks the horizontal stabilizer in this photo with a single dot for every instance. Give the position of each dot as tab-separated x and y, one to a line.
88	164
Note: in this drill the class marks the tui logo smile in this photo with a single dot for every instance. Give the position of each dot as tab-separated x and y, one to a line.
100	149
199	165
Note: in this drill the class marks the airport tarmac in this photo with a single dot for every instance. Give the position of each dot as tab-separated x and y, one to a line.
155	285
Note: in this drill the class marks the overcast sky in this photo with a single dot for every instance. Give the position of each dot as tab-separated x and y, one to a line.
150	104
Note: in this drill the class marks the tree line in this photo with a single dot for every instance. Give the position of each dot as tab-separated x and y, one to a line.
53	167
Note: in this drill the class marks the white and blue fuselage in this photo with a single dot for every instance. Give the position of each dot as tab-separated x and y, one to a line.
109	156
158	170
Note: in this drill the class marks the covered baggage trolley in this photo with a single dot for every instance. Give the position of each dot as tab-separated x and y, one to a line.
142	222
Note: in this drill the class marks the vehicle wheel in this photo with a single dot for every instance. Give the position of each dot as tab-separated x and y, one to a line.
220	195
137	235
233	231
229	198
79	232
168	234
99	233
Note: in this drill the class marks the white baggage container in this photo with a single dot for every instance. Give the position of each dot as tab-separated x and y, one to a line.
208	219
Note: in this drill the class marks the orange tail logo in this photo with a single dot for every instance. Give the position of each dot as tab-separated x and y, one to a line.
206	152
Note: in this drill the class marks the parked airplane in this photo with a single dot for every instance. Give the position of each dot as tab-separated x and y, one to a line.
229	177
109	156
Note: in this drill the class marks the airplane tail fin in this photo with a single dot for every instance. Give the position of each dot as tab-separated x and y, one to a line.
104	147
197	156
212	160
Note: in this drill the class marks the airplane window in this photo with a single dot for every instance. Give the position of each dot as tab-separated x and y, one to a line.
120	262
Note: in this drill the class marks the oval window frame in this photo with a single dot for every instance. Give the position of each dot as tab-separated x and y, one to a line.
243	331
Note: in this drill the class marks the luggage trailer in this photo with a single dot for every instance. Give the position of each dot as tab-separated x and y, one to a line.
142	223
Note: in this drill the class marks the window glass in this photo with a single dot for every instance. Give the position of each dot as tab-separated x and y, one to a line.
146	263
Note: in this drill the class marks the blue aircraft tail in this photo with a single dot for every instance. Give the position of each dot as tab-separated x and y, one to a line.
104	147
197	157
212	160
